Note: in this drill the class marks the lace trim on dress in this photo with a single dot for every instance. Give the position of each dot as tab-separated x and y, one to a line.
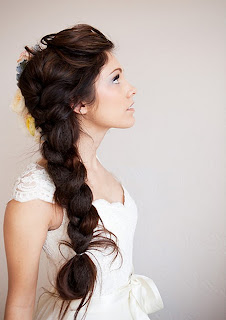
33	183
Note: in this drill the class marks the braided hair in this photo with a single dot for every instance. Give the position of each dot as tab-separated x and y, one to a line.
60	74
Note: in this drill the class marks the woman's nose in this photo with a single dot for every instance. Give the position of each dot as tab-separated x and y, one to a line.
132	90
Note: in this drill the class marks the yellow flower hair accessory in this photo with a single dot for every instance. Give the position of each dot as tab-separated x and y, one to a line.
28	122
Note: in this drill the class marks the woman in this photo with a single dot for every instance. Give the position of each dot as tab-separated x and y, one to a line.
74	90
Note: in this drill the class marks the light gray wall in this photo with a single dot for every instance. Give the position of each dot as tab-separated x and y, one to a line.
172	160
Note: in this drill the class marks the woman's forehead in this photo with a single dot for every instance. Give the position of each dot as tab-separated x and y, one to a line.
110	66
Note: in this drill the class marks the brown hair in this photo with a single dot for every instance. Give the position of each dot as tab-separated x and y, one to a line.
55	78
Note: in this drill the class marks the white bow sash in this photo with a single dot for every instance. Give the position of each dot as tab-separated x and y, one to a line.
144	297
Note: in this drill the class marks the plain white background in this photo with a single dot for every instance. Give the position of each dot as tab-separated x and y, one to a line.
172	161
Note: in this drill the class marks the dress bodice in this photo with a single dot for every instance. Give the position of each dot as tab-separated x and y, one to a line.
119	218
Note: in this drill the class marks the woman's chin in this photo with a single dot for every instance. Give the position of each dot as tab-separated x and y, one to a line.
127	124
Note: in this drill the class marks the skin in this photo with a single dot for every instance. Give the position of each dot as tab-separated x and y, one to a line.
114	96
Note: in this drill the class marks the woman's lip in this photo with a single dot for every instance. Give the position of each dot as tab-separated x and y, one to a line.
130	106
131	109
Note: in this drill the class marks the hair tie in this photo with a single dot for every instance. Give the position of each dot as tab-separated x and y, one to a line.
79	254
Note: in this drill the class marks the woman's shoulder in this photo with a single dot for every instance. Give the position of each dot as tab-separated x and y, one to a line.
33	183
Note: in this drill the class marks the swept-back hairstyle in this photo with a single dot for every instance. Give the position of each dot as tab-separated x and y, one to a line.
60	74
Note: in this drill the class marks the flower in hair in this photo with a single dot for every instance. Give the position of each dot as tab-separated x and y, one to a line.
28	122
23	59
23	56
18	102
21	63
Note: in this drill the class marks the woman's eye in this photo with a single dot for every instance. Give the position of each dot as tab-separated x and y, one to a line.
116	78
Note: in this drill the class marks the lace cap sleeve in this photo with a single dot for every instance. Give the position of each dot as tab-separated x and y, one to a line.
33	183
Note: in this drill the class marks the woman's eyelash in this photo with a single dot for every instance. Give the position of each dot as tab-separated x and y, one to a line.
116	77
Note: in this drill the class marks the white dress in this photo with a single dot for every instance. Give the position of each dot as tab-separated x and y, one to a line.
119	293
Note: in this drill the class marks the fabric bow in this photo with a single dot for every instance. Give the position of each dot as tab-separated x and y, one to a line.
144	297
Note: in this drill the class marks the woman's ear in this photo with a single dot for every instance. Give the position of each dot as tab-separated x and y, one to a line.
79	108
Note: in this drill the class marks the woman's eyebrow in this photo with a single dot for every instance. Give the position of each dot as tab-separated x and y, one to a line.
116	69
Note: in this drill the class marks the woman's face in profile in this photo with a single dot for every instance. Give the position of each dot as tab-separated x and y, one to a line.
114	95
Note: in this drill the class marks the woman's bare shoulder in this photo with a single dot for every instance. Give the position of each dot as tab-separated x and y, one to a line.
30	212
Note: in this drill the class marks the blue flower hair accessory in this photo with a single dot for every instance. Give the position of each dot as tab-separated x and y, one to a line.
22	61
